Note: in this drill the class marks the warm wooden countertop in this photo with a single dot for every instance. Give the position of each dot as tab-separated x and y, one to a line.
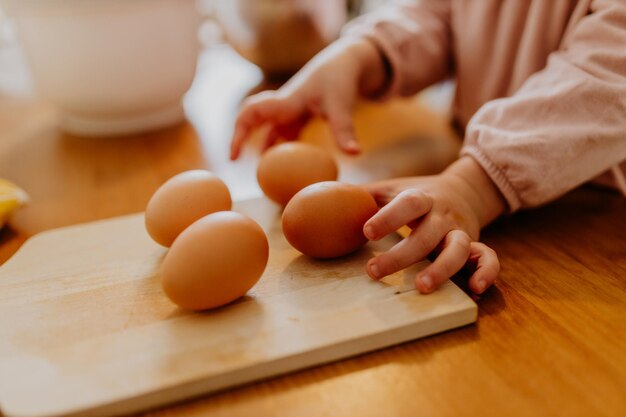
550	338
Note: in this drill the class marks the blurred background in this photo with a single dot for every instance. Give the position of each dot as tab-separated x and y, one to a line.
101	101
262	31
90	59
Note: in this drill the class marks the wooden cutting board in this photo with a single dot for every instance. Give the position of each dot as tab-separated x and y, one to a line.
86	330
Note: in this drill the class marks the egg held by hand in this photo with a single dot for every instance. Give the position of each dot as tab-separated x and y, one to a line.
214	261
182	200
325	220
287	168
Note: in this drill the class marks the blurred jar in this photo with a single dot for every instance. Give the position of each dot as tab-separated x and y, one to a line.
280	36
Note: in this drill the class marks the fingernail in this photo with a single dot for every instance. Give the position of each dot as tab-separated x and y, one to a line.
374	270
353	146
482	285
369	232
427	282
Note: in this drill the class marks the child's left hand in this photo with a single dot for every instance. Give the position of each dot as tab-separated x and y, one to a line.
445	213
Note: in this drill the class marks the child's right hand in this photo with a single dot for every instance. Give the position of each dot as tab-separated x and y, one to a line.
327	86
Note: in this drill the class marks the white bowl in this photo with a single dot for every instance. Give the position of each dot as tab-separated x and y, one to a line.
112	67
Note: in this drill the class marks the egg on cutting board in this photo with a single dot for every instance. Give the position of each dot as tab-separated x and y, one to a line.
214	261
287	168
326	219
182	200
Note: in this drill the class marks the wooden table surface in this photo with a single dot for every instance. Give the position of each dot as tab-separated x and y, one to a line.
550	338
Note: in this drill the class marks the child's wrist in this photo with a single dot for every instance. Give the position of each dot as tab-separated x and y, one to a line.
478	189
374	70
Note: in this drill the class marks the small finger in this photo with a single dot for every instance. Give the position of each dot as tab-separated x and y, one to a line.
407	207
271	138
487	267
256	110
249	117
242	130
453	256
423	239
339	117
291	131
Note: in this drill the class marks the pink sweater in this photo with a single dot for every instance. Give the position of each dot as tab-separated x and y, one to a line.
541	84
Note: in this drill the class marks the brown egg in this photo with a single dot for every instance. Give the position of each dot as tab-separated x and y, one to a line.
214	261
182	200
325	220
287	168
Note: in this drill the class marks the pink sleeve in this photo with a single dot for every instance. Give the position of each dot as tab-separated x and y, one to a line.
567	123
415	38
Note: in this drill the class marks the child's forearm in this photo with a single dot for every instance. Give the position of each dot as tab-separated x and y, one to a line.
477	188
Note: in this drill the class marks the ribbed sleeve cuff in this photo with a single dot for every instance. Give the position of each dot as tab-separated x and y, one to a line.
497	176
376	35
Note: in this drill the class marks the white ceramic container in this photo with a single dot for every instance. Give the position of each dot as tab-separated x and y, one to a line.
112	67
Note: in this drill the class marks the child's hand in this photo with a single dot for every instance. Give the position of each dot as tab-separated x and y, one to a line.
446	213
327	86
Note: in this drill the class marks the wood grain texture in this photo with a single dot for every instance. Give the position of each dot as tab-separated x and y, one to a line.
80	349
550	338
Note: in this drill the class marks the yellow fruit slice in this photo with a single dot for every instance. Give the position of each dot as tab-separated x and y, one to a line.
11	198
